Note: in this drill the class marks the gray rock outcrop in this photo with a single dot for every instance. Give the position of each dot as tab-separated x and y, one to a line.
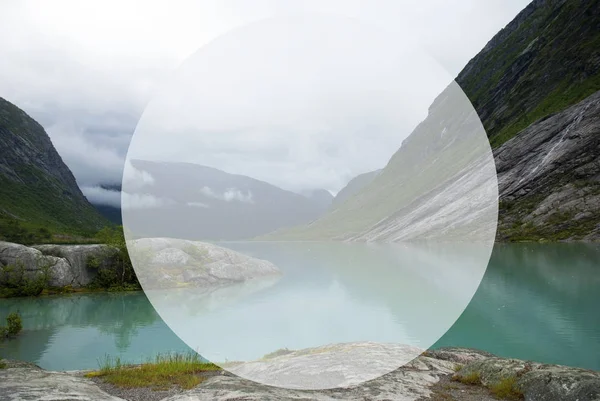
169	262
549	177
65	265
537	382
25	381
415	381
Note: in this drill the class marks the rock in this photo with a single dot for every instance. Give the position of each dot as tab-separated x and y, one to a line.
405	384
546	176
412	382
169	262
81	269
330	366
538	382
66	265
22	381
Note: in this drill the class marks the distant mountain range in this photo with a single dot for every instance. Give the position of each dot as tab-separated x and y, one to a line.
37	189
197	202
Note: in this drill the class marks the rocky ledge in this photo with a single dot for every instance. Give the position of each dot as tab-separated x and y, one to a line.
65	265
419	380
172	263
159	263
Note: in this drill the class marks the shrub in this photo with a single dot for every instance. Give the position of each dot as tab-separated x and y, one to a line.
14	324
506	389
122	274
13	327
472	379
16	283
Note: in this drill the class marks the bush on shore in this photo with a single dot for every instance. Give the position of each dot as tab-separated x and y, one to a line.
14	325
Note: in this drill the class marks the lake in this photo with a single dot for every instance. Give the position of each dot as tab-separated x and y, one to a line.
535	301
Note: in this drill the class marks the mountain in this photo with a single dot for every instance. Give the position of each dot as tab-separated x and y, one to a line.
354	186
320	197
37	189
534	87
192	201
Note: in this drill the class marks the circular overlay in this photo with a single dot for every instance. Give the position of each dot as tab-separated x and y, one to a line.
310	202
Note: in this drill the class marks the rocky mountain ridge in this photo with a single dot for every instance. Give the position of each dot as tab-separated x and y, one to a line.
37	189
533	87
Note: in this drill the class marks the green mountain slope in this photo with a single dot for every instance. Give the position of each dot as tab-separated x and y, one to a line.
37	190
546	60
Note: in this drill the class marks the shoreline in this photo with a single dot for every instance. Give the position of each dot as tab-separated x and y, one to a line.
441	374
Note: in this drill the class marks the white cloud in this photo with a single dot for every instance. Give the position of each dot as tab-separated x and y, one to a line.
143	201
86	71
233	194
101	196
134	179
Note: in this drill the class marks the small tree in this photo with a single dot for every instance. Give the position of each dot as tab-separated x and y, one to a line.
124	274
13	327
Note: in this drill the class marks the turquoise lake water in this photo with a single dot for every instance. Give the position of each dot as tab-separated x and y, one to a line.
536	301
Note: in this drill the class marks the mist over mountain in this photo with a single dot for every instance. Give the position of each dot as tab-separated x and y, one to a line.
533	86
197	202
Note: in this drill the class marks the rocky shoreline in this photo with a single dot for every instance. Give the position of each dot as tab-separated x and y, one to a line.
444	374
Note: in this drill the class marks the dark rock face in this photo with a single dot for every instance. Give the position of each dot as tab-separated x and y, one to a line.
549	177
545	60
35	184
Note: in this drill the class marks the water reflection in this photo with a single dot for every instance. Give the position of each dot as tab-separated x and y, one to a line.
535	302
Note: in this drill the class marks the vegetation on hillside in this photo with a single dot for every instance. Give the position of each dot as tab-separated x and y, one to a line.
543	62
36	188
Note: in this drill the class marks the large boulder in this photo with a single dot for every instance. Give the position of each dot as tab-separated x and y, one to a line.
84	262
57	265
169	262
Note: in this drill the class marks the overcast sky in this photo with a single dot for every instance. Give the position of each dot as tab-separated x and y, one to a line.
87	69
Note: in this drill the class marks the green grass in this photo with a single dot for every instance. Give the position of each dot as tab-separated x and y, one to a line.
2	365
163	372
506	389
472	379
41	204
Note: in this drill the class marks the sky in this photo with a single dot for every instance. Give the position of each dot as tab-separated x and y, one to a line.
273	100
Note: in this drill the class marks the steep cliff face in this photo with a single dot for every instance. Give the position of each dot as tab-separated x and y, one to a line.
36	188
549	177
545	60
534	88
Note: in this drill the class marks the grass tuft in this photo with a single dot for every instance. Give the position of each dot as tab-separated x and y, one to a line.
161	373
471	379
506	389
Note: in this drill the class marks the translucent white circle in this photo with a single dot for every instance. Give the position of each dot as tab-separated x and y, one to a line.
235	239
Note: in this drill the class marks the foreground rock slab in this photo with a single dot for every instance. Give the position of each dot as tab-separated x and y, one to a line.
23	381
420	380
330	366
